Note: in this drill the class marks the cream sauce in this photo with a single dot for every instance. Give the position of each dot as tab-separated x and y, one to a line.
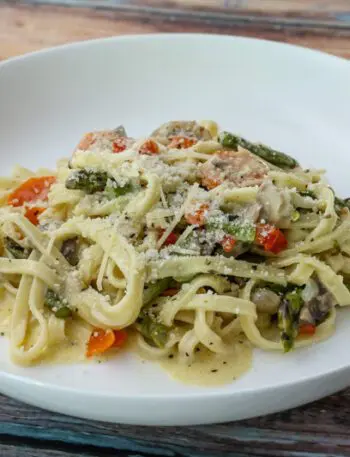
6	304
208	369
72	348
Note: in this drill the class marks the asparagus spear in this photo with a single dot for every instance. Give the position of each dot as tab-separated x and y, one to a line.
63	313
113	190
15	249
340	203
277	288
90	181
153	331
307	193
154	290
288	317
272	156
54	302
147	324
241	232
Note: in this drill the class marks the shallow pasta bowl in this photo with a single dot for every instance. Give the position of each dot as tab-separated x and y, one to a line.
292	98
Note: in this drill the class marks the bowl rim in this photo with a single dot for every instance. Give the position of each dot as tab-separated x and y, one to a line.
200	394
167	36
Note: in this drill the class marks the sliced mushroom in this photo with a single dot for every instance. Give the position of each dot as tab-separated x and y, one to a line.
318	302
70	250
266	300
120	131
276	203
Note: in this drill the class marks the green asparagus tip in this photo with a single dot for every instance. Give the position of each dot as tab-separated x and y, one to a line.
63	313
90	181
277	158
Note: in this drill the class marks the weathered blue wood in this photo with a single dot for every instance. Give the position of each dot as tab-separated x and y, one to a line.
13	450
321	429
80	438
345	17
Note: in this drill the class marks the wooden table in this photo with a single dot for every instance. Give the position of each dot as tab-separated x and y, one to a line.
318	429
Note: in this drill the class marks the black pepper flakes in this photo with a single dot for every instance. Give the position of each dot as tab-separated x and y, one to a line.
214	371
170	356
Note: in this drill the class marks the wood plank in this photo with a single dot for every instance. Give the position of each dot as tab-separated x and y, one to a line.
316	430
332	10
335	9
219	11
24	450
314	7
29	28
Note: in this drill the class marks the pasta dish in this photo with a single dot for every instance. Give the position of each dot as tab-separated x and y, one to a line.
198	243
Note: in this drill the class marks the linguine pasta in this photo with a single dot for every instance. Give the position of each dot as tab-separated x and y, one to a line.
192	240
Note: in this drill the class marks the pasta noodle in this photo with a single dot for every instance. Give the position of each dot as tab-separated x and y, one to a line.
192	240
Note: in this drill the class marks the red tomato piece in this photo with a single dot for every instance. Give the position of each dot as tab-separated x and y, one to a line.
171	238
271	238
119	145
198	216
102	340
182	142
149	147
307	329
120	337
228	243
31	190
33	213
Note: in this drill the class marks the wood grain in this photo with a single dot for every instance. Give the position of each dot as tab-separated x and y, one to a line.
25	28
335	9
316	430
24	450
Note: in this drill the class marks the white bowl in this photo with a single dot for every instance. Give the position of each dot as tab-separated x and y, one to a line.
292	98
